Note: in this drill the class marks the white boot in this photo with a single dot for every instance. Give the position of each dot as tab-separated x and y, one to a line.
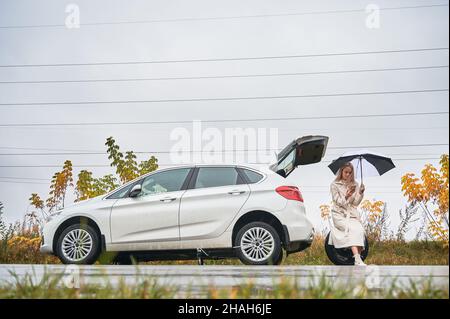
358	260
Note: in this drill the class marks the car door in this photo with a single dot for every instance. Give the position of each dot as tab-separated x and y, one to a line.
302	151
153	214
215	196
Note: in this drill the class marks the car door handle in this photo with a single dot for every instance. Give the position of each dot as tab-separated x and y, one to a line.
168	199
236	192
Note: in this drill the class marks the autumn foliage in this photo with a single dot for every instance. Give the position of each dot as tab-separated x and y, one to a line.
87	186
127	169
430	193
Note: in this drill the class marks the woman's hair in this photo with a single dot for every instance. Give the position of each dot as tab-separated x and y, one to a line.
340	171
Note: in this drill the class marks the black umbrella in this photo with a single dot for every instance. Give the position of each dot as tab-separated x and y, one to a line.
365	162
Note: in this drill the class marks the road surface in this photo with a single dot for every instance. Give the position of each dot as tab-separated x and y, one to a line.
196	278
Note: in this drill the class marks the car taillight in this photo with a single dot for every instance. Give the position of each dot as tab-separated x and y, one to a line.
290	192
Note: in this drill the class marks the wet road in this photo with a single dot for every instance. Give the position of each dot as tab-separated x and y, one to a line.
197	278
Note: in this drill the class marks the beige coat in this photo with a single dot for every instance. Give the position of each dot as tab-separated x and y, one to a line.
347	229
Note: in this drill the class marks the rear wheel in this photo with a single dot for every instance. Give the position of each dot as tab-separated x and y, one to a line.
344	256
78	244
258	243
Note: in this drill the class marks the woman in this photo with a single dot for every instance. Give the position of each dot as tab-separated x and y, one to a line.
348	230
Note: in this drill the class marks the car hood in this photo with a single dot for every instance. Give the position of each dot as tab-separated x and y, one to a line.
86	205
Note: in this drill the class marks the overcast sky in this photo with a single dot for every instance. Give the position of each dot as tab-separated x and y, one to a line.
33	32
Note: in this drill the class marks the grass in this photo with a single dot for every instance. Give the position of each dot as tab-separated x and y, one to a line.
22	250
51	287
326	289
387	252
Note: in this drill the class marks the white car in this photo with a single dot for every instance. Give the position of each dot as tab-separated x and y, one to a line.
189	212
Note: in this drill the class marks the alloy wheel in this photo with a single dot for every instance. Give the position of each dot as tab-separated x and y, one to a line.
257	244
77	245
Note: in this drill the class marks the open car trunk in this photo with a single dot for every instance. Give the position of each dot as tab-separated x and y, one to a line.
302	151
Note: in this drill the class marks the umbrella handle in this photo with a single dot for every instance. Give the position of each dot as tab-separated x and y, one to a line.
360	164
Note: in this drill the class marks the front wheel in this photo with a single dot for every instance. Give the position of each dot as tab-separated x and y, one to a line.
344	256
258	243
78	244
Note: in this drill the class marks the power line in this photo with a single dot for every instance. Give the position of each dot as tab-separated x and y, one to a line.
241	98
16	182
230	120
54	166
395	154
224	59
388	146
224	151
92	152
191	19
47	179
25	178
42	149
169	165
366	128
226	76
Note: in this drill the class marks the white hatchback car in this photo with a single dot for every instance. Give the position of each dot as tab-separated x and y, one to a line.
189	212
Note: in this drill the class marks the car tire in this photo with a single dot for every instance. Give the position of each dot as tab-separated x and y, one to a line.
344	256
78	244
280	259
258	243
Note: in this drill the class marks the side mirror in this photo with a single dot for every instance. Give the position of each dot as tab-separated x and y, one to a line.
135	191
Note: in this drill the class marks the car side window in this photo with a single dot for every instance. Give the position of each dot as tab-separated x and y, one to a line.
163	182
121	193
287	165
217	176
253	177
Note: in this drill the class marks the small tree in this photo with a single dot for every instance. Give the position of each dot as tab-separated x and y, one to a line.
58	187
3	228
375	218
430	191
88	186
406	219
57	194
126	166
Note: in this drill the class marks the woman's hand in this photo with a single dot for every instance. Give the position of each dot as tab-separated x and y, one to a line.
350	192
362	188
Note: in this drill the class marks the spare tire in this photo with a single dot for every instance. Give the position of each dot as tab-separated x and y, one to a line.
344	256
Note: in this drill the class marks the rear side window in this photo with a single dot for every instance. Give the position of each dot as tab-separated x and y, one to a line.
217	176
252	176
